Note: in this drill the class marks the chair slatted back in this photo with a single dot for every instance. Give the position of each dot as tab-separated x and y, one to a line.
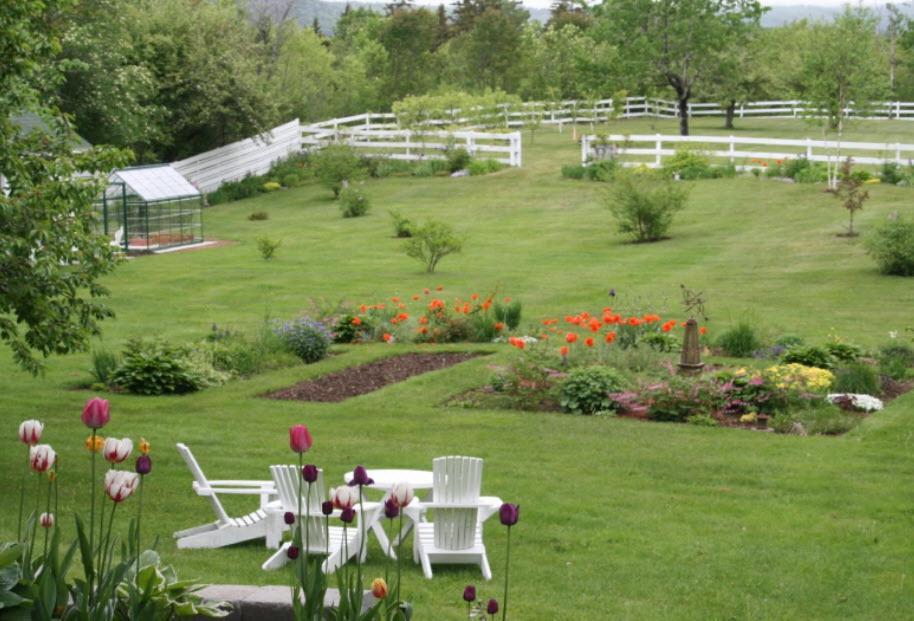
286	478
201	480
456	480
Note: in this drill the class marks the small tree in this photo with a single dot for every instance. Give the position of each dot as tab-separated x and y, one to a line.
431	242
851	193
337	165
644	205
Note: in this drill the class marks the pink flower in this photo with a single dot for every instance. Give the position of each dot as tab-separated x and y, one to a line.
120	484
46	520
402	494
116	451
300	439
30	432
96	414
344	497
41	457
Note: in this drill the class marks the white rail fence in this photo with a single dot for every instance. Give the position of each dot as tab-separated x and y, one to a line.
252	156
650	149
374	135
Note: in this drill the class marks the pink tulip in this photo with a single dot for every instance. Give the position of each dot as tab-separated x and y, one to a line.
46	520
30	432
120	484
402	494
96	414
41	457
300	439
344	497
116	451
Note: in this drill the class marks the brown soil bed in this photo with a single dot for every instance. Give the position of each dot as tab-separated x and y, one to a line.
365	378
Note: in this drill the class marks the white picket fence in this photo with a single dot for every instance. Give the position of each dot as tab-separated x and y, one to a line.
650	149
378	135
252	156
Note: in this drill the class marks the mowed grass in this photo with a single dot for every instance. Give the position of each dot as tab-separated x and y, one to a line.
619	519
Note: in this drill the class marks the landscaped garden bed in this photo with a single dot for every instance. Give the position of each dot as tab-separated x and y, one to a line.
366	378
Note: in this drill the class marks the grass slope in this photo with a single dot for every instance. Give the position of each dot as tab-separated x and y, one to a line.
620	519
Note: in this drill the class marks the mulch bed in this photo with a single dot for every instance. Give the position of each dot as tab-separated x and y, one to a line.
369	377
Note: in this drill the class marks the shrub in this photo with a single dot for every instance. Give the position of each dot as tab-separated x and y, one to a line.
850	192
644	206
508	313
353	203
895	360
291	180
574	171
811	356
484	167
680	398
268	247
258	215
237	354
688	164
603	170
236	190
702	420
431	242
586	390
104	364
812	174
856	377
843	352
663	342
892	246
891	173
799	378
349	329
307	339
271	186
336	165
403	226
787	341
739	341
458	159
155	367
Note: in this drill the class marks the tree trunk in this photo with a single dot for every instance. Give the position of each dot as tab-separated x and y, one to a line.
683	115
730	112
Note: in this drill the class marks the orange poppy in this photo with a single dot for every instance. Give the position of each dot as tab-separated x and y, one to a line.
588	341
395	300
610	337
563	350
466	307
594	325
423	320
402	316
363	308
499	326
415	297
356	321
474	297
703	330
426	291
634	321
571	337
388	337
423	330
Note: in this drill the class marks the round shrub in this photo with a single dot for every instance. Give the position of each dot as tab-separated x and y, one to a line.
349	329
458	159
811	356
291	180
857	378
895	360
155	367
271	186
353	203
843	352
739	341
586	390
892	246
307	339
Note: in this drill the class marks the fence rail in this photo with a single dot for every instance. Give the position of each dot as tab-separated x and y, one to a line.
619	145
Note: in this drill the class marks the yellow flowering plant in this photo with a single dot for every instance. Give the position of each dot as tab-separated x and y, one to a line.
799	378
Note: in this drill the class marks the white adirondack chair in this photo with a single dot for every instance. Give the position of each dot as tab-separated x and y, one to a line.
455	535
344	543
225	530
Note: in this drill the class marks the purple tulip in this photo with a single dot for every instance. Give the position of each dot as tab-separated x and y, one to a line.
292	552
469	593
288	517
327	507
509	514
348	515
492	606
143	465
391	509
309	473
360	477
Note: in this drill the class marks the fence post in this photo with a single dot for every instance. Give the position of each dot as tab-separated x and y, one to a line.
732	150
809	149
659	148
408	151
742	110
897	153
585	141
519	138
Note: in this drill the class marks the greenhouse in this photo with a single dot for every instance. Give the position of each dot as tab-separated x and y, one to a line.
150	208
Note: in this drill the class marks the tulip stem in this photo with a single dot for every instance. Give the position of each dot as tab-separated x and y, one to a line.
361	539
91	576
298	523
37	517
504	603
399	554
28	463
105	559
47	511
139	518
307	527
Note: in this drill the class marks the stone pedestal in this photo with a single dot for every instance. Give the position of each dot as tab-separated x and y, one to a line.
690	362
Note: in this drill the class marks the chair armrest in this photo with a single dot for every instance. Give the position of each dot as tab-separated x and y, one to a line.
243	483
233	489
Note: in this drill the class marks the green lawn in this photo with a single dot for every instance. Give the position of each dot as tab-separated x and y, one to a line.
620	519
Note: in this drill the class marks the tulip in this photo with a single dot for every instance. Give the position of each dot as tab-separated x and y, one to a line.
120	484
327	507
144	446
309	473
292	552
41	457
379	588
94	444
492	606
391	508
300	440
469	593
96	414
347	515
344	497
509	514
116	451
402	493
46	520
143	465
30	432
288	517
360	477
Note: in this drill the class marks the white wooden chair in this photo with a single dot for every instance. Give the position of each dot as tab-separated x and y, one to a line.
341	547
455	535
225	530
